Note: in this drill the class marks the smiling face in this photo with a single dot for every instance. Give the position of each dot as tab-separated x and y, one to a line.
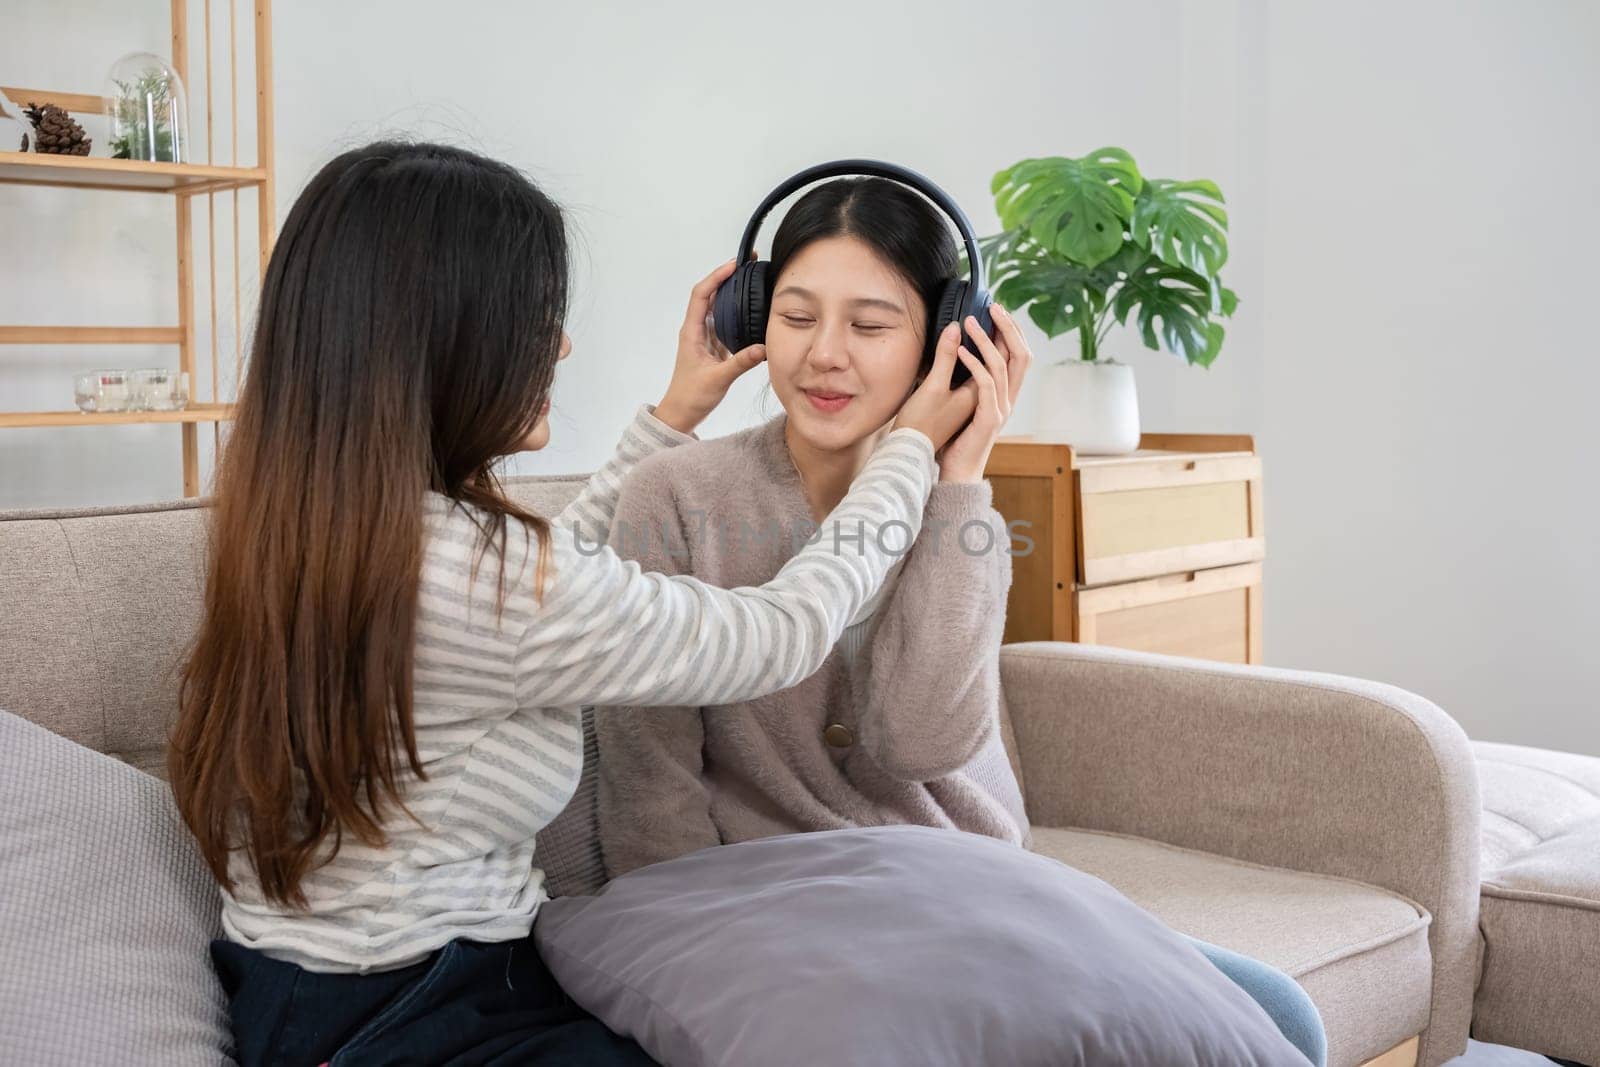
844	341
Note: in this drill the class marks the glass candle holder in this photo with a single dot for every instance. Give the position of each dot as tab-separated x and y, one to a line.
159	389
178	398
103	390
86	392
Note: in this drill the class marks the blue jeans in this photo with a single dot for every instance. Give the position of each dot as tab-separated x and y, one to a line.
468	1003
1282	998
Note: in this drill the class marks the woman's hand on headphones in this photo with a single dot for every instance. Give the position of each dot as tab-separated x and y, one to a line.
705	369
997	378
934	408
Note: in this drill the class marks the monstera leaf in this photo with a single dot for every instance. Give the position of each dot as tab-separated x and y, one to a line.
1183	223
1076	208
1175	305
1059	295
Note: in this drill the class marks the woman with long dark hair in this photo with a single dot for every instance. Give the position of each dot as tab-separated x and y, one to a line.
381	707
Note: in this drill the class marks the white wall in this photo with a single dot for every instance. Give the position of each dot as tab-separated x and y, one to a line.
1431	226
1409	201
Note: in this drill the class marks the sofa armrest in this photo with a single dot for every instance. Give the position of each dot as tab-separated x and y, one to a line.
1311	772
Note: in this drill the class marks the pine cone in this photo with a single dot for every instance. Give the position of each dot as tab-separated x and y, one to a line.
55	131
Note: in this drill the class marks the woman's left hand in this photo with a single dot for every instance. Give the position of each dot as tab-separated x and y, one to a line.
704	370
999	376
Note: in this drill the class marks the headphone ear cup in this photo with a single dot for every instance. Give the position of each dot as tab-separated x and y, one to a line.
739	309
725	316
979	300
951	300
757	298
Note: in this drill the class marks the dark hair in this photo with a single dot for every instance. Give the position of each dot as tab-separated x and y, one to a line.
409	326
896	222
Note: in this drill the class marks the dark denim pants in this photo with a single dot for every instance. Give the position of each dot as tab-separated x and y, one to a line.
468	1003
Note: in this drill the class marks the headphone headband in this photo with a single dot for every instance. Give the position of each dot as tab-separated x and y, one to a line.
739	308
870	168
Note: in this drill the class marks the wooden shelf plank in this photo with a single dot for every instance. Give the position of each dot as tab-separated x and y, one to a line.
193	413
130	175
82	103
89	335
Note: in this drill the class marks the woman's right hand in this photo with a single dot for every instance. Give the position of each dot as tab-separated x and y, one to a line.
704	369
935	409
998	375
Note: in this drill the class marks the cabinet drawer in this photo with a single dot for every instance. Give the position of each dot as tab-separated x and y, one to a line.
1209	614
1158	516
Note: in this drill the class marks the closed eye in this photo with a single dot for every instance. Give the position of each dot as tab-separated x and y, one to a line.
797	320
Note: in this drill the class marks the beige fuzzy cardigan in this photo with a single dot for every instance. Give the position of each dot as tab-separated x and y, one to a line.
905	731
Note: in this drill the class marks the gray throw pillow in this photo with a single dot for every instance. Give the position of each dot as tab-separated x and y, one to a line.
894	945
106	913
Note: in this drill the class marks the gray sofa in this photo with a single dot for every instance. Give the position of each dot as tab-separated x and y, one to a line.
1327	825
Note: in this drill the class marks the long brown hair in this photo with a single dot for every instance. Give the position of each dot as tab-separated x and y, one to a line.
409	326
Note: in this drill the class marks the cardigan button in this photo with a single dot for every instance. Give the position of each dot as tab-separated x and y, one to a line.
839	735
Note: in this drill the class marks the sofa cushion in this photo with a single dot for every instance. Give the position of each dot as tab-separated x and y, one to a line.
106	913
1540	912
99	604
844	947
96	617
47	652
1360	952
545	494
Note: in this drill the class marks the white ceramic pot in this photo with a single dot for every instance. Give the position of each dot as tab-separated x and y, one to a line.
1094	407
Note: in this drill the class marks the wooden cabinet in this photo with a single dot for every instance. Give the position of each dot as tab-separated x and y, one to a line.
1160	550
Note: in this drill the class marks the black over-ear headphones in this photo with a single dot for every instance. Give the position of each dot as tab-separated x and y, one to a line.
739	311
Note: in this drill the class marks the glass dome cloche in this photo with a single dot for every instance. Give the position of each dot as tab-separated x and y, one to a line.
147	110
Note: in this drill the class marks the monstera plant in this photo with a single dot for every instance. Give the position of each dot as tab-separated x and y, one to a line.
1089	243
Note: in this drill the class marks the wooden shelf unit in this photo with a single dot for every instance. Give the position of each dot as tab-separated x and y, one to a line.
185	183
1160	550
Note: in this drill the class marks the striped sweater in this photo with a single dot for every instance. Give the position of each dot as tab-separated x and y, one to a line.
496	700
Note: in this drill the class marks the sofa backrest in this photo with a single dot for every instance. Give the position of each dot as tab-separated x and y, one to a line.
98	606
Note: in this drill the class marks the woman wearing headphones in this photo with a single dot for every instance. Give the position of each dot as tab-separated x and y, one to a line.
380	710
902	723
